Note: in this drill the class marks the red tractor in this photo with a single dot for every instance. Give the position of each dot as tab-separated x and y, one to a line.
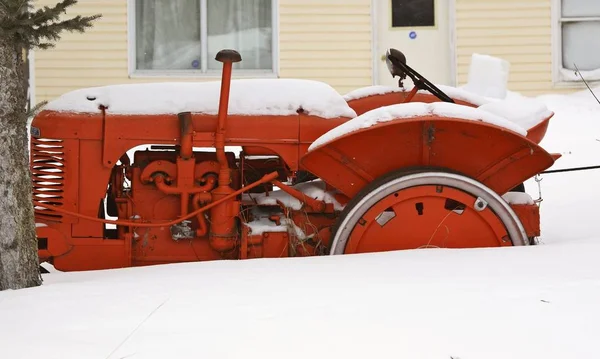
134	175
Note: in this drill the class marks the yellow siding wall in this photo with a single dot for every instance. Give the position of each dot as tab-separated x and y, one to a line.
326	40
519	31
96	58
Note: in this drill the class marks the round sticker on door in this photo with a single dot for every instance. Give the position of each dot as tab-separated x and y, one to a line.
412	35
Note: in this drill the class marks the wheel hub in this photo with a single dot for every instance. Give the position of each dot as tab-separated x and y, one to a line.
428	210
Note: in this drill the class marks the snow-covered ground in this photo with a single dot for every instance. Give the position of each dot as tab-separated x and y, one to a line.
520	302
570	199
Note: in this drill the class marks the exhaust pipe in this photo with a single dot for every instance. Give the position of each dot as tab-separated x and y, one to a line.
227	57
222	228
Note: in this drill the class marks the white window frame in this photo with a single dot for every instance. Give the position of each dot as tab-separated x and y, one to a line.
558	78
32	84
203	72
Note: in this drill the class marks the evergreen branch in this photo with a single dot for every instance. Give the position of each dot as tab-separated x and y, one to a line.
52	31
36	109
46	14
13	6
13	14
40	45
24	7
40	29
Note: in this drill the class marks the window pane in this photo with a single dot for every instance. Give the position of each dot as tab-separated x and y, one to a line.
579	45
168	34
585	8
413	13
242	25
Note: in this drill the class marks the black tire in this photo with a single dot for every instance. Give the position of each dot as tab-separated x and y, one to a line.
519	188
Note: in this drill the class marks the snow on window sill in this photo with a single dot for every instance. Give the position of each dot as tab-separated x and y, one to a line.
567	78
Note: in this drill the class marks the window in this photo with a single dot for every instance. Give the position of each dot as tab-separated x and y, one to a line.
579	34
412	13
182	37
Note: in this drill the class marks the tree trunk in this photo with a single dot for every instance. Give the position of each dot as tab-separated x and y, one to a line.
19	264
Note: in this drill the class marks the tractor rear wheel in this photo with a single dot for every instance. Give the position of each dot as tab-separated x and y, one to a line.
426	210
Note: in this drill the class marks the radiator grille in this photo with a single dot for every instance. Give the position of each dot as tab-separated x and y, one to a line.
48	176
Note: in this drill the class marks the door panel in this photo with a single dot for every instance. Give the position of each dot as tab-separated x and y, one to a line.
421	30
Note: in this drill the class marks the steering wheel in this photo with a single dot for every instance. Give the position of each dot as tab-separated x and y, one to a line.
396	63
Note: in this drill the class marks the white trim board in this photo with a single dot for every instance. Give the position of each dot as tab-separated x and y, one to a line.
374	40
453	41
31	90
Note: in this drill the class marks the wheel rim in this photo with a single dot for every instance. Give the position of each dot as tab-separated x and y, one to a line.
429	209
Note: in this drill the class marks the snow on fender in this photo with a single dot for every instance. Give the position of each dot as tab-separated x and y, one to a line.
412	110
462	139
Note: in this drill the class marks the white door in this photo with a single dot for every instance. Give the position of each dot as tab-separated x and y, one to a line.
421	30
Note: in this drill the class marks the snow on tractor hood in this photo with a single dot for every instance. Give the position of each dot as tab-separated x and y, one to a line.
248	97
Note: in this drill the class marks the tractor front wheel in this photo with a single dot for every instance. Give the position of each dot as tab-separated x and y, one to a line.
426	210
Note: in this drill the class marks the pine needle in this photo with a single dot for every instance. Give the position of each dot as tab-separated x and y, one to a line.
43	27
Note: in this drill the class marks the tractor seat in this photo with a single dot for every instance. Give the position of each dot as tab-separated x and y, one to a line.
456	93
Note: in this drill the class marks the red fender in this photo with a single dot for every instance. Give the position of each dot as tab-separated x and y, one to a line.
368	103
493	155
